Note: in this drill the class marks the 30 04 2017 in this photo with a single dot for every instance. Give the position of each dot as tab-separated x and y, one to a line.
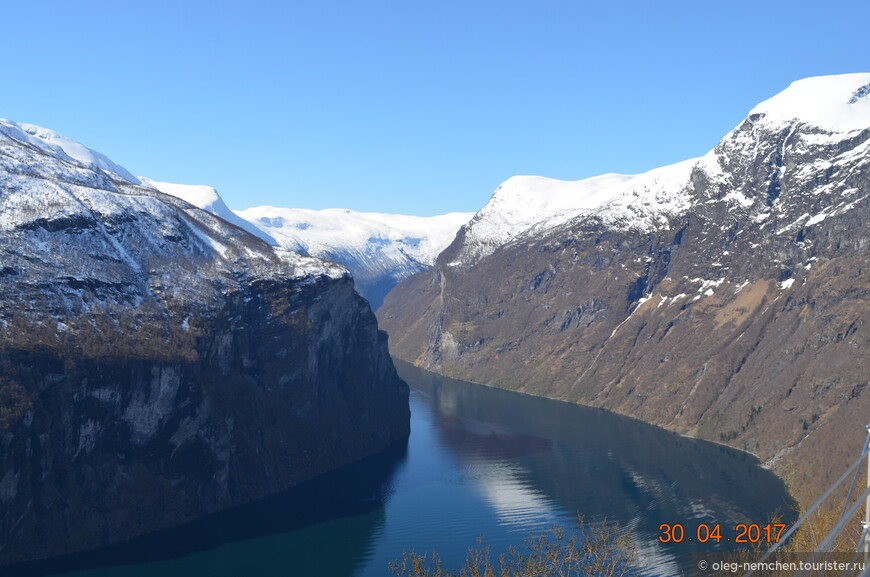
739	533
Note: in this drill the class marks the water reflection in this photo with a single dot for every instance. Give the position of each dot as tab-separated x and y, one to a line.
285	534
536	460
480	462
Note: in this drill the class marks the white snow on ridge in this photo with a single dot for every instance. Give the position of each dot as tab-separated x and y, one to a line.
838	103
68	181
207	198
63	148
649	197
327	232
523	201
534	203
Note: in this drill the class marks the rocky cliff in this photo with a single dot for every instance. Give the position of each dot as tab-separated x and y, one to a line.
158	363
724	297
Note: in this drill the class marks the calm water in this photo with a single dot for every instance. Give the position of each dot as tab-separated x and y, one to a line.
480	462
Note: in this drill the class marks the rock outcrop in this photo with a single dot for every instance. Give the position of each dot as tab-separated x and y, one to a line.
157	363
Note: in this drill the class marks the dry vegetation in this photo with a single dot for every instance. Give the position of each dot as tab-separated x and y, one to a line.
599	550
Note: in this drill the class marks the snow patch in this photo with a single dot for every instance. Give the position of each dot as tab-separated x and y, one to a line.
707	285
737	197
797	221
817	219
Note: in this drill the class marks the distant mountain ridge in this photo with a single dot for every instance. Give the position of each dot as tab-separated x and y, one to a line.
379	249
726	297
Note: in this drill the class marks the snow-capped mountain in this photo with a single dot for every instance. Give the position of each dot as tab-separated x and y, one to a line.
724	297
821	108
380	250
51	183
150	348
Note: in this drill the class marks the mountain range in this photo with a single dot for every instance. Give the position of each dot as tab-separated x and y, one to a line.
149	331
380	250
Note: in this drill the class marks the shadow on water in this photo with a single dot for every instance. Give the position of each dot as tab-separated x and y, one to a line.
602	464
283	534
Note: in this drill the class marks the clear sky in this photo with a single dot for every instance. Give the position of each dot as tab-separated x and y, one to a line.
412	106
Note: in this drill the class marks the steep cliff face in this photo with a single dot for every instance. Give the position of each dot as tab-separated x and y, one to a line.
157	363
725	297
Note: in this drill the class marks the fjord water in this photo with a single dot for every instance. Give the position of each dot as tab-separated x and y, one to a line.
480	462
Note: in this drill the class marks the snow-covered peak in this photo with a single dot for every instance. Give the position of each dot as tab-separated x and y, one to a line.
535	203
63	148
834	103
521	202
207	198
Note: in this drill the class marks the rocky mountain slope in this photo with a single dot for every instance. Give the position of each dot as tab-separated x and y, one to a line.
158	363
380	250
724	297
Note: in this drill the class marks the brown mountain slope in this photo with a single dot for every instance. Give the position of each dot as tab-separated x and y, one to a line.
742	318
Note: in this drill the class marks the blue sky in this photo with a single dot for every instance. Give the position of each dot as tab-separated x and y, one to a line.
412	107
